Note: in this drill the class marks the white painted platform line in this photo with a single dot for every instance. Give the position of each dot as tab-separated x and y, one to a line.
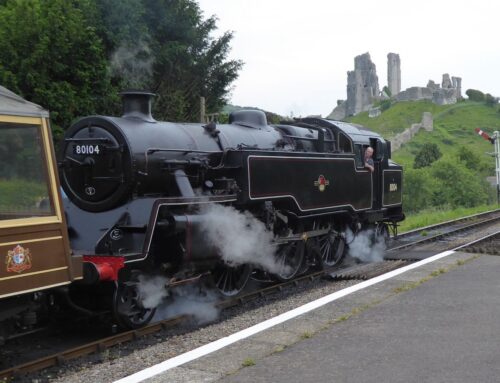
233	338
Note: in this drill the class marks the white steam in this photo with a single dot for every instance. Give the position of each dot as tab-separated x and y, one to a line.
189	300
239	237
366	246
182	300
152	290
133	63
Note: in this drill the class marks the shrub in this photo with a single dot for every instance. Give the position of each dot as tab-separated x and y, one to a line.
490	100
418	189
475	95
458	186
426	155
471	160
384	105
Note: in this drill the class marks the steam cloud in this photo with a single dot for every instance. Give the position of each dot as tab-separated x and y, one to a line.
189	300
366	246
239	237
152	290
182	300
133	63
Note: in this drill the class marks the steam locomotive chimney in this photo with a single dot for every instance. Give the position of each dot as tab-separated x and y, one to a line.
137	104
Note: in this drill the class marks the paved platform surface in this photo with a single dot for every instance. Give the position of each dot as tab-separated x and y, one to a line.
437	323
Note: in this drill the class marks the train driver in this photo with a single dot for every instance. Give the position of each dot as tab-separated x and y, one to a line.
368	159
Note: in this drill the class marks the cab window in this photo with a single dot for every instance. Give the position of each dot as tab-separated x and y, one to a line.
24	185
344	143
359	155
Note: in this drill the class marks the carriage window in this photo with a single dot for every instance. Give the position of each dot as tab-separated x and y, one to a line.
24	185
344	143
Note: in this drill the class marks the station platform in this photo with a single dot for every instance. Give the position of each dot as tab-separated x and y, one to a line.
439	322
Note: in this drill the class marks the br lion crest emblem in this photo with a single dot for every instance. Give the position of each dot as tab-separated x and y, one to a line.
18	259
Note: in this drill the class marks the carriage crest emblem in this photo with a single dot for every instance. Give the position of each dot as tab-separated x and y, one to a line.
321	183
18	259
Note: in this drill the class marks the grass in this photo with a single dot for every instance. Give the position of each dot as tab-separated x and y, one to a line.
248	362
432	216
306	335
20	194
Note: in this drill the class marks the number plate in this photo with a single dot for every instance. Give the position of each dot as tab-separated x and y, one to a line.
86	149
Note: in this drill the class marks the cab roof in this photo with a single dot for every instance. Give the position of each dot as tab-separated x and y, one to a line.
13	105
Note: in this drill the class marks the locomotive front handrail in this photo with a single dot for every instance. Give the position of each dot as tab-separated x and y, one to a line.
102	139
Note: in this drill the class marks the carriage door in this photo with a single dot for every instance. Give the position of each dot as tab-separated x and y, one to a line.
378	157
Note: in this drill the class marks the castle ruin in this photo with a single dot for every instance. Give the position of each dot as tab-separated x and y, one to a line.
363	89
393	73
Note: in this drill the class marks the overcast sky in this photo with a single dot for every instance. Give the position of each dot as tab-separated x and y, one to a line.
296	53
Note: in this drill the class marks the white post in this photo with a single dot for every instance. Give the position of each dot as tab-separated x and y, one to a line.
496	138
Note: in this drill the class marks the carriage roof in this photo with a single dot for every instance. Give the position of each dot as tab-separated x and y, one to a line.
14	105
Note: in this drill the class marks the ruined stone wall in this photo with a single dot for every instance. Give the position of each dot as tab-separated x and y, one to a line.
427	123
393	73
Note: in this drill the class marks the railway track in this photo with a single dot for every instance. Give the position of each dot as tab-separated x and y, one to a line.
395	257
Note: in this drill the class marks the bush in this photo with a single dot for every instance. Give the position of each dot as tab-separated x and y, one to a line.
418	187
384	105
490	100
475	95
458	186
426	155
470	159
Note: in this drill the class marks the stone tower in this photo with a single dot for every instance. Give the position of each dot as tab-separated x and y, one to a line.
362	85
393	73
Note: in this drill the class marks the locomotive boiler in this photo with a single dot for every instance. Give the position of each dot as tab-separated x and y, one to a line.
138	191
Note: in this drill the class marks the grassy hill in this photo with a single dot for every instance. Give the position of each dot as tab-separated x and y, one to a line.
453	127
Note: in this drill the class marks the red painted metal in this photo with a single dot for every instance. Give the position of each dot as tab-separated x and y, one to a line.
483	134
107	267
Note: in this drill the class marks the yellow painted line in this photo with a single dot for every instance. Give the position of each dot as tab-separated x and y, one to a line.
30	241
34	273
51	168
21	119
8	223
33	290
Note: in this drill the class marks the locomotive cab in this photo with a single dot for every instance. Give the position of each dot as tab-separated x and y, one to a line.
34	246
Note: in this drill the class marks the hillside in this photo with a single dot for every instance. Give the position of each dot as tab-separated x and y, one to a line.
457	177
453	127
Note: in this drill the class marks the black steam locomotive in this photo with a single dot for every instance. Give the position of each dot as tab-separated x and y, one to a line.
139	192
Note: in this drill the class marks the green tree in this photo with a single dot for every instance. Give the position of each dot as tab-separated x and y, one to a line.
51	55
426	155
167	46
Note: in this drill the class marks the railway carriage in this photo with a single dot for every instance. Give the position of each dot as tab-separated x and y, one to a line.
138	189
34	247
